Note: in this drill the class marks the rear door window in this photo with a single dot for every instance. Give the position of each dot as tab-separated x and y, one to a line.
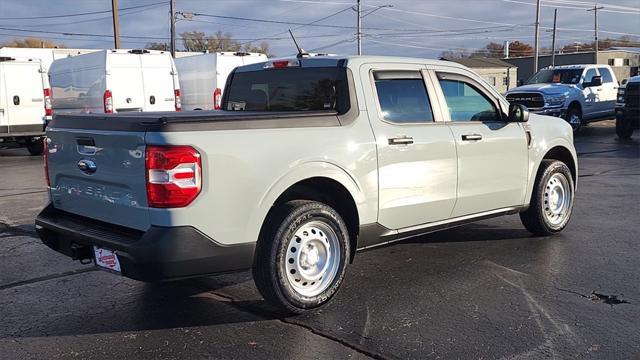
289	89
403	97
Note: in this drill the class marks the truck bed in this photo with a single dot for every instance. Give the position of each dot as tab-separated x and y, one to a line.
195	120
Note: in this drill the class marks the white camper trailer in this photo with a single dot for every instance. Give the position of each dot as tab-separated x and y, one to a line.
112	81
202	77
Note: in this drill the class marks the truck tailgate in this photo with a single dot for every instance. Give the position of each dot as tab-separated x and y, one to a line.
99	174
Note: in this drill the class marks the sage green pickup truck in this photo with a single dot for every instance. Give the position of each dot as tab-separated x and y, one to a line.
310	160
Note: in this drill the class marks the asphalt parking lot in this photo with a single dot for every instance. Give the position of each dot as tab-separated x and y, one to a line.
486	290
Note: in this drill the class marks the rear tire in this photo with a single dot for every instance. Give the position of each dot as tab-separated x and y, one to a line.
36	147
551	202
301	256
624	128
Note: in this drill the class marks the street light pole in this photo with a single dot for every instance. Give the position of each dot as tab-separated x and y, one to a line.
172	10
359	27
595	28
553	42
116	25
537	40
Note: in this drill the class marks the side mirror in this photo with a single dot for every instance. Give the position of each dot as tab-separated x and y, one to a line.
595	81
518	113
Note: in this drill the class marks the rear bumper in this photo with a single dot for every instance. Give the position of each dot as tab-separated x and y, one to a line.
160	253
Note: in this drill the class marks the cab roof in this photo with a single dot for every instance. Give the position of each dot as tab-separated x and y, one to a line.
349	60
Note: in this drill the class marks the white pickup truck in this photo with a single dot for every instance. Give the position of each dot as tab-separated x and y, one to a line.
578	93
310	160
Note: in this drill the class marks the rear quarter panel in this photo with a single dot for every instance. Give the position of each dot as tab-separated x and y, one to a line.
245	171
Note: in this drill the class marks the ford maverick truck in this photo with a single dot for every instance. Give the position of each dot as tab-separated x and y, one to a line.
577	93
311	160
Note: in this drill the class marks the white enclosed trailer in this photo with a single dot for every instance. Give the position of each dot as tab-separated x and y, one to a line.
203	77
112	81
46	55
25	103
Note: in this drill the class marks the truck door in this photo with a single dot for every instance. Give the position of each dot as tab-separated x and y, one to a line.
591	95
24	97
608	92
4	124
416	152
492	152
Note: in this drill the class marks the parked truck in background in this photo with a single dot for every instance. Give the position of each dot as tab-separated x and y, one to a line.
25	103
310	160
113	81
628	108
578	93
203	76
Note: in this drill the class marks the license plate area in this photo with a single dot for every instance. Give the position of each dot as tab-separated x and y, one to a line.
106	259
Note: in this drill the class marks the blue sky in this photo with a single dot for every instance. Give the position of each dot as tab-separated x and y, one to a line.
411	27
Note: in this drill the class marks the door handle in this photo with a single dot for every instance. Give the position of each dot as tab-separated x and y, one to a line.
471	137
599	89
401	140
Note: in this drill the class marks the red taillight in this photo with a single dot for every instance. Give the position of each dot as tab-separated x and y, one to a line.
280	64
174	176
45	154
176	94
48	110
217	99
108	102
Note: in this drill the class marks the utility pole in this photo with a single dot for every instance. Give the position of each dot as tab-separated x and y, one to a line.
359	27
505	49
116	25
172	15
595	28
553	42
537	40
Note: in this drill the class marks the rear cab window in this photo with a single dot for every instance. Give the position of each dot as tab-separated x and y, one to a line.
289	89
402	97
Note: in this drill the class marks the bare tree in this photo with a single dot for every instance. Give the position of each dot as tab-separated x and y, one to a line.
32	43
198	41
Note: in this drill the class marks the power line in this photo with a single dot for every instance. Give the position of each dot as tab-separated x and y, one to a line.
96	19
77	14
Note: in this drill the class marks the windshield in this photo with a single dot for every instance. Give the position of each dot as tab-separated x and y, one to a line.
289	89
557	76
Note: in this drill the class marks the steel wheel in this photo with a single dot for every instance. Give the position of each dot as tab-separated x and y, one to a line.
313	258
557	199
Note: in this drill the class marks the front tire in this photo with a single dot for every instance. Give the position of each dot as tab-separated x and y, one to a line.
552	199
624	128
301	256
574	118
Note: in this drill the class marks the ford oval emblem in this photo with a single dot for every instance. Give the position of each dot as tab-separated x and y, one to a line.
87	166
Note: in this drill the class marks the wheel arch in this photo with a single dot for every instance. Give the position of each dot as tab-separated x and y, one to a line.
563	154
326	183
575	104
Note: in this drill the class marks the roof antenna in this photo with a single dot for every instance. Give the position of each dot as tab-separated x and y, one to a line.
301	52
